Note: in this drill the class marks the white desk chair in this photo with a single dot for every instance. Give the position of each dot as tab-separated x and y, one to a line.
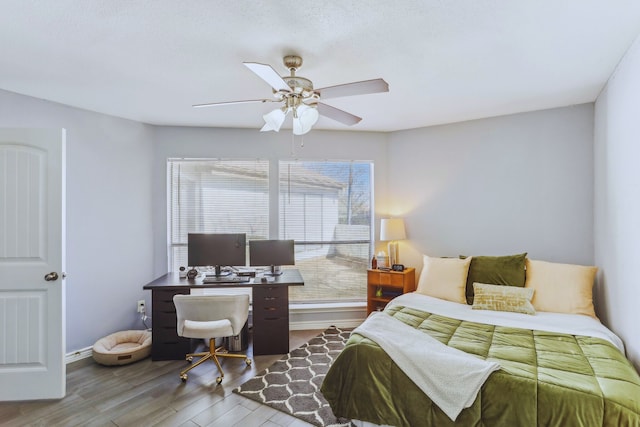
210	317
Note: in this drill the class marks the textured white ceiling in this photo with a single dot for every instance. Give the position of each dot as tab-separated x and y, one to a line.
445	61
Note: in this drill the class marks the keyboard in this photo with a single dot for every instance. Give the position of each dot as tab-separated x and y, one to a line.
225	279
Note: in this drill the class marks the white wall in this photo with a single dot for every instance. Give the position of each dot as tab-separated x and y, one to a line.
109	234
250	143
617	201
497	186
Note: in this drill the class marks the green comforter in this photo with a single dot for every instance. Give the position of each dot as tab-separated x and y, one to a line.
546	379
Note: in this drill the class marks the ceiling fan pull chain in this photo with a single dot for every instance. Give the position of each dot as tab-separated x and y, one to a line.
293	146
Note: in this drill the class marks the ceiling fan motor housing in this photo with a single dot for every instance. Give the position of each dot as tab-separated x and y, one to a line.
292	61
299	85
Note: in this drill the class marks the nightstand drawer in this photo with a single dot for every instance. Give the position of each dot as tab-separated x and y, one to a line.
391	279
384	278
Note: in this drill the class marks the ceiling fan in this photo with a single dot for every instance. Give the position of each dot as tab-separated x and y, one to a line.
296	94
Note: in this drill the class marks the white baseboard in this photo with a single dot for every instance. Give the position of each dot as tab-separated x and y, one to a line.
301	317
305	326
84	353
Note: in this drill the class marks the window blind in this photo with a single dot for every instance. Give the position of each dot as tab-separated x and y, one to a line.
215	196
326	208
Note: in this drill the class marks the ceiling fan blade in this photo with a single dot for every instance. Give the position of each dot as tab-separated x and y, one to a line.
337	114
355	88
217	104
269	75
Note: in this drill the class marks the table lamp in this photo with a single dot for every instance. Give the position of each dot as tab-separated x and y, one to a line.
392	230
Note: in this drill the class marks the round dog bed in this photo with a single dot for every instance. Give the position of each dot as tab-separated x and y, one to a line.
122	347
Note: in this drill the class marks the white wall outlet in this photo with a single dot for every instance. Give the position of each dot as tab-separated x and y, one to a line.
141	306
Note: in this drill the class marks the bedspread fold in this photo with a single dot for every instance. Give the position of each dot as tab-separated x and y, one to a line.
451	378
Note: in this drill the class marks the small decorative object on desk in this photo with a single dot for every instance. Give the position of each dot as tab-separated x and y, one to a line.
374	263
192	274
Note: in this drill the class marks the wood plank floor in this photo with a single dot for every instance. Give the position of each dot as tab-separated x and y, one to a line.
149	393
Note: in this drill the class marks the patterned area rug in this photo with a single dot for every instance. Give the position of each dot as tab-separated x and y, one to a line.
292	384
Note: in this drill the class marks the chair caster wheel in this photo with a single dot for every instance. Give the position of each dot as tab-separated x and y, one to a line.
218	380
248	362
189	359
183	377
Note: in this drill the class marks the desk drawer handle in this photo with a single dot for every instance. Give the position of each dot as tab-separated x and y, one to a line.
272	318
270	298
271	308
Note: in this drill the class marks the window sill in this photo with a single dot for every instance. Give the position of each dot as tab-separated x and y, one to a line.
309	316
326	307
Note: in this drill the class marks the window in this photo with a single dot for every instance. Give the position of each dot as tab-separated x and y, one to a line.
215	196
325	207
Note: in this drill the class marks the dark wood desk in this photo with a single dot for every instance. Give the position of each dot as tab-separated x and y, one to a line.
270	313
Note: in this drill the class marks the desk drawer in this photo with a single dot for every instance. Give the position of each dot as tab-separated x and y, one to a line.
165	343
165	335
271	336
269	310
270	302
171	350
162	301
163	319
271	295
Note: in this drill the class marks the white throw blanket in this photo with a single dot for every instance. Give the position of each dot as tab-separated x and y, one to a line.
451	378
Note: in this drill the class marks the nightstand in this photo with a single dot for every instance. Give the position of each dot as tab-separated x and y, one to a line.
383	286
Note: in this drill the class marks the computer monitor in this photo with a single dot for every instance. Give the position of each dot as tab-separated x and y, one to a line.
271	253
216	250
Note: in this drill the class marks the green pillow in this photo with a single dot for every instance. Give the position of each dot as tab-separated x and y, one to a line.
495	270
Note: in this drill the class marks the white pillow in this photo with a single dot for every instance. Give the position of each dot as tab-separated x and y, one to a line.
444	278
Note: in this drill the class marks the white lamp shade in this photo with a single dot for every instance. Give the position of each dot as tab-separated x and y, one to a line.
307	117
273	120
392	229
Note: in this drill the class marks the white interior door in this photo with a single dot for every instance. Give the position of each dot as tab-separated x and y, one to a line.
32	262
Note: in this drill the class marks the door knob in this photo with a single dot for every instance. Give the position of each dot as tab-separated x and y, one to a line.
51	277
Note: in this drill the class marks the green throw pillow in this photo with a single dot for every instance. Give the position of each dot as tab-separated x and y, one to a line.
496	270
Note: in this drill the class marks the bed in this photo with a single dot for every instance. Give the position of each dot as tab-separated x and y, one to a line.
560	367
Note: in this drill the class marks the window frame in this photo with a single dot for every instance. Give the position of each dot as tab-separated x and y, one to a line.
274	231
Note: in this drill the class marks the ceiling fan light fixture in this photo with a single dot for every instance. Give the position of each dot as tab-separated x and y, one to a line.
298	95
304	119
273	120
